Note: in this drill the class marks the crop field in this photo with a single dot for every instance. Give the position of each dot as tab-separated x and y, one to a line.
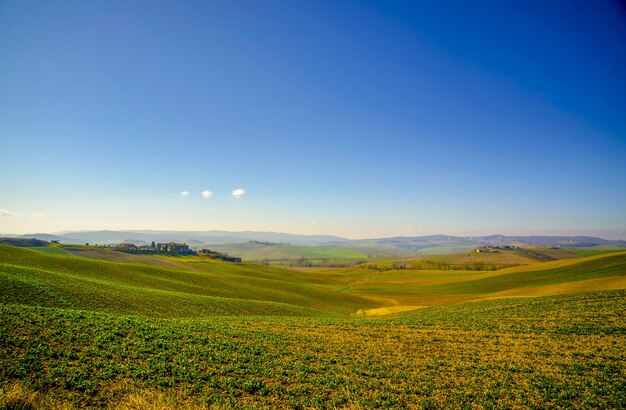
459	261
598	250
470	260
190	332
446	250
258	251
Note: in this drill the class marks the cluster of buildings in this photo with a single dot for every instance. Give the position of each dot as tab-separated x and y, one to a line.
494	249
218	255
167	247
172	248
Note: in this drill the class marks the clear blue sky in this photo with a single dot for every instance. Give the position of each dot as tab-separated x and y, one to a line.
359	119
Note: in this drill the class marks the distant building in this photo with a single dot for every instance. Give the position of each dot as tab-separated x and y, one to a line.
173	247
126	246
207	252
54	241
494	249
218	255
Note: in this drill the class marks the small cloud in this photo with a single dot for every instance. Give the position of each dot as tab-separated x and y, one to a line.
207	194
36	215
238	193
4	212
184	193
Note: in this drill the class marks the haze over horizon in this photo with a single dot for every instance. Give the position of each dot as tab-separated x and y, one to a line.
355	119
608	235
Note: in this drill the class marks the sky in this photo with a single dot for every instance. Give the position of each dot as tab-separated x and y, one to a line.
359	119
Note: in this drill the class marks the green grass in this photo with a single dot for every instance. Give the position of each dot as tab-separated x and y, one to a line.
431	287
470	260
446	250
519	278
56	250
536	352
214	288
586	313
191	332
592	251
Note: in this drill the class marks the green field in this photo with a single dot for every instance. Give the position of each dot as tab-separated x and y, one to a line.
470	260
172	332
597	250
256	251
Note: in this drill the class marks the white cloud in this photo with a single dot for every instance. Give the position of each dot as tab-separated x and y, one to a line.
184	193
4	212
207	194
238	193
36	215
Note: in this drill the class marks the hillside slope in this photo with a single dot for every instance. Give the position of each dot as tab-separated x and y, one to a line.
199	286
258	251
552	352
77	332
416	288
213	288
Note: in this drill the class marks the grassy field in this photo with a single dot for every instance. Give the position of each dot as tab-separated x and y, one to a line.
470	260
204	287
598	250
256	251
458	257
192	332
446	250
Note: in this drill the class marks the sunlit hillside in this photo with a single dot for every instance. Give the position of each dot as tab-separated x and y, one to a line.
138	331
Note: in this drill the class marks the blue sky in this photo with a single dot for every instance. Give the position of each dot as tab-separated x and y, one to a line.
359	119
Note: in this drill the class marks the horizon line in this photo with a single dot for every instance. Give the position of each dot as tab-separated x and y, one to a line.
62	233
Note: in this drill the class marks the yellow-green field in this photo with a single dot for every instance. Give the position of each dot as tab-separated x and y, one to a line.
471	260
272	251
127	331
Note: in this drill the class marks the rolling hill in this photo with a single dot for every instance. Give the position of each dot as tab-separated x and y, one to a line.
136	331
255	250
197	286
395	245
204	287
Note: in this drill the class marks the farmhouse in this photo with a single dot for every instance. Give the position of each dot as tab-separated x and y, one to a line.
494	249
208	252
127	246
173	247
218	255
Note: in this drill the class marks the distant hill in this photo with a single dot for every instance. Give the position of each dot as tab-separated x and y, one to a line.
200	287
28	242
417	243
191	237
254	250
399	245
203	288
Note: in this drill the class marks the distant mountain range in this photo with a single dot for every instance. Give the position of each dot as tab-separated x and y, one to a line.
420	242
192	238
406	243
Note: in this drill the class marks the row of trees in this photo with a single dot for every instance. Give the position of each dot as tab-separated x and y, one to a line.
306	262
429	265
